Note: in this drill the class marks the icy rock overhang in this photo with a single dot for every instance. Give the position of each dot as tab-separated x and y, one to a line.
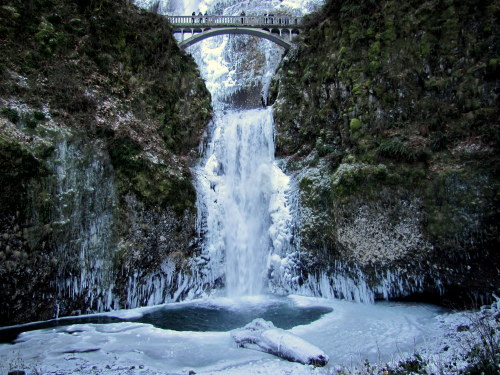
278	342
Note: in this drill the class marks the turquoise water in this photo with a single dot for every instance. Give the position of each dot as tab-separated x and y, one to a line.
195	316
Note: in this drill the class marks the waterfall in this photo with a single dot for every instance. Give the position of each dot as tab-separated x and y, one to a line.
249	211
244	216
245	202
83	233
244	198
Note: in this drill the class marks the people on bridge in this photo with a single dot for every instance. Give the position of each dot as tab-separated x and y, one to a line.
268	19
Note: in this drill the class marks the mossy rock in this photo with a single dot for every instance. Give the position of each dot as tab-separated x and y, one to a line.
355	125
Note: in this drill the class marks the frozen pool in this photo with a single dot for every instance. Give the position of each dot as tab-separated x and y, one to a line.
348	332
199	316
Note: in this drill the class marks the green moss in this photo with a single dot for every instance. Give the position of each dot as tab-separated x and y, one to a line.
355	124
152	183
457	205
19	167
375	48
494	63
352	182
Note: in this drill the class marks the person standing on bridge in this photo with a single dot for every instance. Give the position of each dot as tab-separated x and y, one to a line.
201	17
192	16
242	16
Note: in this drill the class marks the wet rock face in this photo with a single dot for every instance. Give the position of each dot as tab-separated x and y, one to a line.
383	118
95	150
74	243
153	254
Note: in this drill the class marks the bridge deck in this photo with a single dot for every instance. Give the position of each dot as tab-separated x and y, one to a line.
261	22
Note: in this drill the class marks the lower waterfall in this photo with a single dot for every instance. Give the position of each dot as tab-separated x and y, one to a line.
243	205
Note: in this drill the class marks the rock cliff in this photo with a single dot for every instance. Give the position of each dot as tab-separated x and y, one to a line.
101	114
387	114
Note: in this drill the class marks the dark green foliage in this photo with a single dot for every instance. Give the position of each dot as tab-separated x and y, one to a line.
30	120
438	141
123	153
397	150
39	116
11	114
424	65
18	167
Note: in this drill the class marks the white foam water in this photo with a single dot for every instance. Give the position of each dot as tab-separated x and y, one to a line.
243	199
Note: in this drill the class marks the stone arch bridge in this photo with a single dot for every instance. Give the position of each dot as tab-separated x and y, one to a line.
278	29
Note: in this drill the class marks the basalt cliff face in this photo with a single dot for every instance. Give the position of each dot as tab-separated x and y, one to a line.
387	114
101	115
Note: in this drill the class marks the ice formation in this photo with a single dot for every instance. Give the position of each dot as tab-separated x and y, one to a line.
279	342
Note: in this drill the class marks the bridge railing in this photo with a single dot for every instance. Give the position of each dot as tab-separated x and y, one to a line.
281	21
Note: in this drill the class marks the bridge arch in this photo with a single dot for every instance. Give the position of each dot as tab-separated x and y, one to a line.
273	37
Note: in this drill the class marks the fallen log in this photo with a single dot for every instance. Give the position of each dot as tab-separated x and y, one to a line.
279	342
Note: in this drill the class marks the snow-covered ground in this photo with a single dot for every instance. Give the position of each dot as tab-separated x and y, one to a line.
350	334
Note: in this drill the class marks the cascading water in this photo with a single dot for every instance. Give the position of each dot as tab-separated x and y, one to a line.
244	201
244	198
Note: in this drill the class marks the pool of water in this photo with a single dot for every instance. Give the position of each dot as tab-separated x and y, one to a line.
206	316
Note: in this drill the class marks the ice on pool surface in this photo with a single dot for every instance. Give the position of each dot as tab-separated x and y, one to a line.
350	333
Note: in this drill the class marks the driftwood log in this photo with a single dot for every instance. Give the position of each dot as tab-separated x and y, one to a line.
264	335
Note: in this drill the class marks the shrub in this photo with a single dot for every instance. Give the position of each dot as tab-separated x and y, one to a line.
39	116
11	114
438	141
396	150
483	353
